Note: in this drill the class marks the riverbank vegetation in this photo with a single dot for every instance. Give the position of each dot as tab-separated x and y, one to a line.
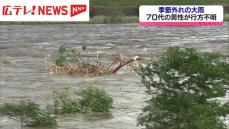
184	85
101	19
226	17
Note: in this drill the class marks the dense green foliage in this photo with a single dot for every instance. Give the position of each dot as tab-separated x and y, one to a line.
66	103
155	2
183	86
28	113
62	57
91	99
96	99
71	55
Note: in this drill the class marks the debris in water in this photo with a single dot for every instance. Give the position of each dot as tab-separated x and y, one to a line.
95	69
7	61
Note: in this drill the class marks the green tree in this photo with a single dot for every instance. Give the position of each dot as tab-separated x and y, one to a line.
183	86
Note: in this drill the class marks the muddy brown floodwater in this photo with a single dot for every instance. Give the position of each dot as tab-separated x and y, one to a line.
28	79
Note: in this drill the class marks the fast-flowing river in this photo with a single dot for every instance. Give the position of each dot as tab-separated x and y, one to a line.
28	78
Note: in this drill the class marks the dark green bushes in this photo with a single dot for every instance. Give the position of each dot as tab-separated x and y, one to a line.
183	86
92	99
65	102
28	113
67	56
62	57
96	99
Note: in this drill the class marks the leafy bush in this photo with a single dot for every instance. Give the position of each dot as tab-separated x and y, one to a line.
67	56
66	103
91	99
62	57
96	99
28	113
183	86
